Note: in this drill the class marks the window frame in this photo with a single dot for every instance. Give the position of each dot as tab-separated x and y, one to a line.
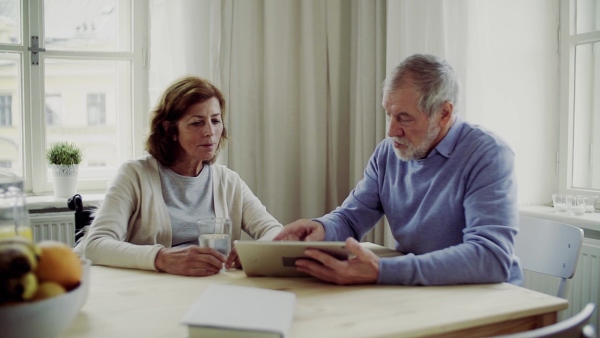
32	87
568	41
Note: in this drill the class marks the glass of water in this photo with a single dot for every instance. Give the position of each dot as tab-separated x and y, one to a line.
576	204
560	202
215	233
14	220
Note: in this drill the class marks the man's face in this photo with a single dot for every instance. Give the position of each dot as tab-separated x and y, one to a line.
413	133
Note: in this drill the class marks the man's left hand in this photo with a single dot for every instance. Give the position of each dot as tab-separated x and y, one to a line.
361	269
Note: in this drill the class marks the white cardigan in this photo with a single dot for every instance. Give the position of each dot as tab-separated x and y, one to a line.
133	223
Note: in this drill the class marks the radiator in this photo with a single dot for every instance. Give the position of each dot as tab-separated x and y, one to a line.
57	226
583	288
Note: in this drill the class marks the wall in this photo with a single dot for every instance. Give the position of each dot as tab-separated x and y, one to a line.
506	54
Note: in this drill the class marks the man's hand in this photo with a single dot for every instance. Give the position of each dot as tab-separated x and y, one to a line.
361	269
189	261
302	230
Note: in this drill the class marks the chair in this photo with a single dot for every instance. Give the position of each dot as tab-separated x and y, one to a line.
83	217
549	247
574	327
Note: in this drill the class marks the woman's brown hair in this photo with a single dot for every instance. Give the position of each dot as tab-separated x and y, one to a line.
176	100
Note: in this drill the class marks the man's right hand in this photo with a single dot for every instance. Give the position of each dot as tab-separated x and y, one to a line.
302	230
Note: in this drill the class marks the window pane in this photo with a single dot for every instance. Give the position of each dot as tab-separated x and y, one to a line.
6	109
586	122
11	115
88	25
96	109
10	22
588	16
53	109
96	104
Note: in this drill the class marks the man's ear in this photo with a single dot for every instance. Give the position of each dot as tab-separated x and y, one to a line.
446	112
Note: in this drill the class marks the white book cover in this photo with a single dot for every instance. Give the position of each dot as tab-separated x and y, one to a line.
241	308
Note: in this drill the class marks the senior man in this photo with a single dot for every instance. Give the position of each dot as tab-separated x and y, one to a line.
446	187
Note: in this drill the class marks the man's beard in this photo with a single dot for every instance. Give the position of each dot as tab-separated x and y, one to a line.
417	152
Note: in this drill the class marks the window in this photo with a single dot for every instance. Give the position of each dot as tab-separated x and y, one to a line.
53	110
580	95
96	109
77	76
5	110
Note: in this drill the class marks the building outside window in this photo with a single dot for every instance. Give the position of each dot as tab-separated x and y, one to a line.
54	109
76	70
96	109
5	110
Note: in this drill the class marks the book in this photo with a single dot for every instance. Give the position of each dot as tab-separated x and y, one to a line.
225	310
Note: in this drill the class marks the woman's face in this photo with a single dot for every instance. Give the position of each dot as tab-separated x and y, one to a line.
200	130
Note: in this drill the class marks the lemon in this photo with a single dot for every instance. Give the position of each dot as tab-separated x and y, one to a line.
47	290
59	263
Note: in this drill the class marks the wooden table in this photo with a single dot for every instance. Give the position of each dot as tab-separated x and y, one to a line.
133	303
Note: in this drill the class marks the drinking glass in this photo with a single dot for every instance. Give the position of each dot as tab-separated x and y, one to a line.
14	220
215	233
559	201
591	204
576	204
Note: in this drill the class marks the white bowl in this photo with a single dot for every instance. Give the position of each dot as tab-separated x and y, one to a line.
45	318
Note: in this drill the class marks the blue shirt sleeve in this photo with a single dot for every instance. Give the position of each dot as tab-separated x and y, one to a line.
454	214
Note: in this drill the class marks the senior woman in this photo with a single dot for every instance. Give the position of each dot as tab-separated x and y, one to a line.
148	217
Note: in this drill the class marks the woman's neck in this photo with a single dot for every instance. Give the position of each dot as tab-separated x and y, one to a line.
186	168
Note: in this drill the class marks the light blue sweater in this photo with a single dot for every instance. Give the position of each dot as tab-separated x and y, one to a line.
453	214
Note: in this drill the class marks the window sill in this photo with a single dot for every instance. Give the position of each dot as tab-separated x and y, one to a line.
51	203
589	222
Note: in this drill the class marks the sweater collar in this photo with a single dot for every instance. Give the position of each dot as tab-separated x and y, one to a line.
448	143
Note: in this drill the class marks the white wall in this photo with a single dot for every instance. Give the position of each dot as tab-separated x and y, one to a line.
174	43
506	54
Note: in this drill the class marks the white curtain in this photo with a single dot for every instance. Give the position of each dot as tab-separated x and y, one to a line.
184	40
303	79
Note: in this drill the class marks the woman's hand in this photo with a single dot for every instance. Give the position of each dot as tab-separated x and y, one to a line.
233	261
189	261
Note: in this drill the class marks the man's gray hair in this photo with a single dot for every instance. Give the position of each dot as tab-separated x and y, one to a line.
431	76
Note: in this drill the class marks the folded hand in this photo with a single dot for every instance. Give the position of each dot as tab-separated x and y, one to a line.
189	261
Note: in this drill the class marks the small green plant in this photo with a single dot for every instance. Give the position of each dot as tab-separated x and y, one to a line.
64	153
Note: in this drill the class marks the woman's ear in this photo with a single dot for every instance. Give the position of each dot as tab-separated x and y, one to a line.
168	126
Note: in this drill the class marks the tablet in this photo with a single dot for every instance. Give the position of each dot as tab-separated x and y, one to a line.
278	258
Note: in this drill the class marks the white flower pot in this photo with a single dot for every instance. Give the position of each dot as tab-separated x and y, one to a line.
65	179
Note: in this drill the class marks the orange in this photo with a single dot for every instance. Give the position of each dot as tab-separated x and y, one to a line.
59	263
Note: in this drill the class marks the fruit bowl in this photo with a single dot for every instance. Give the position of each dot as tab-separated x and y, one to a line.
48	317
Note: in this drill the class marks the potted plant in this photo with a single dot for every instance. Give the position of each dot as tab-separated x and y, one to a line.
64	158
